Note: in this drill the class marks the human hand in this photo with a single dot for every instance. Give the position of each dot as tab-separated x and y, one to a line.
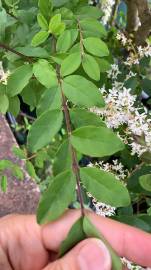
24	245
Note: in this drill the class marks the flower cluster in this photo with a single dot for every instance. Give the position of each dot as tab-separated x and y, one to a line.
106	6
131	266
3	75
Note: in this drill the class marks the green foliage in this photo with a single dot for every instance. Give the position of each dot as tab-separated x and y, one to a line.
3	183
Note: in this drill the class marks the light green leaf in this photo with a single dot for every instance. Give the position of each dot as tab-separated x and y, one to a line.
3	183
31	170
4	103
81	117
62	159
75	235
42	22
82	92
50	99
45	73
145	181
91	67
96	141
57	198
66	40
104	187
19	79
14	106
70	64
92	28
39	38
44	129
96	46
18	152
5	164
56	27
17	172
91	231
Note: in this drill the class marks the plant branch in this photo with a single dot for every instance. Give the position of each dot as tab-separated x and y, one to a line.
7	48
12	15
75	165
114	12
81	40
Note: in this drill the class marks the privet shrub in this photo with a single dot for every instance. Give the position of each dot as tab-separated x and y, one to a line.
83	74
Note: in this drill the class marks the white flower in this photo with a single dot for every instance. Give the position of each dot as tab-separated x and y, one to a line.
106	6
113	72
3	75
120	36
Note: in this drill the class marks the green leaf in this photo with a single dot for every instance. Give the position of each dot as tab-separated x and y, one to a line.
33	52
96	46
81	117
62	159
39	38
96	141
3	183
104	187
59	3
89	12
41	157
145	181
50	99
104	65
57	198
18	152
4	103
42	22
5	164
66	40
44	129
56	27
45	73
91	67
17	172
91	231
19	79
92	28
45	8
82	92
31	170
14	106
70	64
75	235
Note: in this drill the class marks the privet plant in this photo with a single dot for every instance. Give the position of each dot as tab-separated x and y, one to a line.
83	74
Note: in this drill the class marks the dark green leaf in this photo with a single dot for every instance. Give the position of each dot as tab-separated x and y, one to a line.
82	92
19	79
33	52
92	28
89	12
62	159
96	141
57	198
50	99
145	181
44	129
75	235
14	106
45	7
91	67
91	231
70	64
104	187
4	103
81	117
45	73
96	46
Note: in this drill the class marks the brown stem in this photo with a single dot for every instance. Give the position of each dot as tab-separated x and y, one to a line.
7	48
75	165
114	12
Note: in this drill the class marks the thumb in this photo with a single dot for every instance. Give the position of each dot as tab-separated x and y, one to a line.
90	254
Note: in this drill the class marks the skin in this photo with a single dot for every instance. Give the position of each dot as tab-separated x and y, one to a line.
24	245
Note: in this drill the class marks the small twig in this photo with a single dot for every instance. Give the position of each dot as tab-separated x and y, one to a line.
81	40
114	12
7	48
27	116
12	15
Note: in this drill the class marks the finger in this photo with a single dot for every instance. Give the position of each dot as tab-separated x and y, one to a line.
129	242
90	254
4	263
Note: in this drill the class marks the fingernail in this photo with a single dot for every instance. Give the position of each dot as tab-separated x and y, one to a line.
94	256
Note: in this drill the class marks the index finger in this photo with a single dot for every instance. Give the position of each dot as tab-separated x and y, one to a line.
128	241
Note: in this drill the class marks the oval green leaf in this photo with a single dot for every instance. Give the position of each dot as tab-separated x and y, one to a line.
96	46
70	64
91	67
39	38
